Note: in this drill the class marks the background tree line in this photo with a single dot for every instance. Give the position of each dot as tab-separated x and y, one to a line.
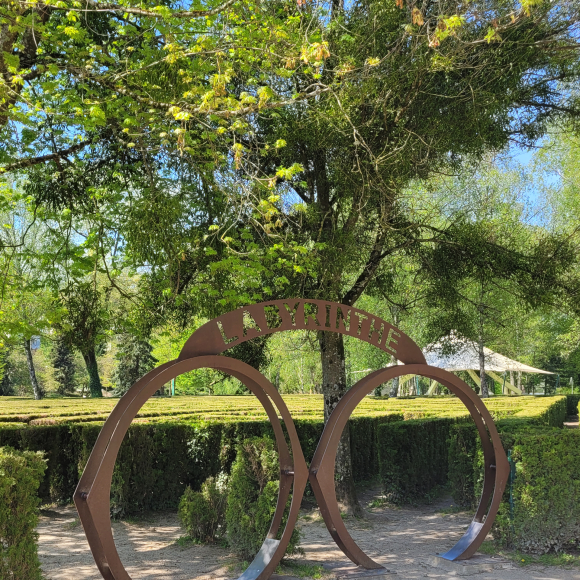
168	164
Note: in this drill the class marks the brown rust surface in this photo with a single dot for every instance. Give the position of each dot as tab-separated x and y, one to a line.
92	495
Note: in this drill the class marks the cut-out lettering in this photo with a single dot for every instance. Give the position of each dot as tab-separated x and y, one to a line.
311	315
224	335
273	318
291	310
328	309
375	334
362	318
250	325
342	321
392	332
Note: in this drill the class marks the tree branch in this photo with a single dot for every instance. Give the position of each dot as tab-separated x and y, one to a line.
568	110
93	6
368	272
24	163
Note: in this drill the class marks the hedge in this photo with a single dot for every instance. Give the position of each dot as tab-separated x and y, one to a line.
545	513
20	476
540	510
413	457
76	410
158	460
161	455
417	456
572	406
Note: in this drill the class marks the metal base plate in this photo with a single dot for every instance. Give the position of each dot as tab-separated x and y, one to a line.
477	564
350	572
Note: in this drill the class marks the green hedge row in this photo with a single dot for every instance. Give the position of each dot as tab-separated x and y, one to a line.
413	457
572	406
417	456
20	476
158	460
544	512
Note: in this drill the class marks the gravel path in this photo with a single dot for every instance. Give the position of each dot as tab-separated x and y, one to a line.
405	541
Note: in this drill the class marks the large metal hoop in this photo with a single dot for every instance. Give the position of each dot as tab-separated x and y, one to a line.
496	466
92	495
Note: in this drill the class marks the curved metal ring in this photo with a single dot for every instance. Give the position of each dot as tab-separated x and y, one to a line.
92	495
495	461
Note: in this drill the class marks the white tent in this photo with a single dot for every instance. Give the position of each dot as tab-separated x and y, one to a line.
455	354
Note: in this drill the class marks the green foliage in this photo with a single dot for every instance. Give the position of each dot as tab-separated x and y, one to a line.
572	404
63	363
547	483
134	359
546	490
462	450
413	458
20	476
6	387
83	327
253	496
180	442
202	513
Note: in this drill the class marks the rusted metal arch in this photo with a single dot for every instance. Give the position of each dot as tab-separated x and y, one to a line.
93	492
496	469
92	495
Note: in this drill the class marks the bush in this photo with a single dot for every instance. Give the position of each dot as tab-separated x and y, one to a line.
202	513
545	515
20	476
252	498
162	455
572	404
413	458
462	454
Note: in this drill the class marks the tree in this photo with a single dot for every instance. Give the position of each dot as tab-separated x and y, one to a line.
63	363
134	359
404	104
26	299
297	159
493	264
6	388
84	324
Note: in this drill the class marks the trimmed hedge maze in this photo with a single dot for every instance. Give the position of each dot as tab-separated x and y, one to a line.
414	445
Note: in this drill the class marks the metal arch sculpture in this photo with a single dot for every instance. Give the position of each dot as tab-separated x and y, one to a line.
202	350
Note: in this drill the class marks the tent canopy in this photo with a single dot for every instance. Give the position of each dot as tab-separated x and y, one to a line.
456	354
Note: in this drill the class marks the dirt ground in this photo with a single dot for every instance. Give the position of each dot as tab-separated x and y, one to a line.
404	540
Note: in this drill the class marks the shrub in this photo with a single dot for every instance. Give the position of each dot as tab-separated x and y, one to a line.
252	497
413	458
572	404
20	476
202	513
462	453
182	441
545	515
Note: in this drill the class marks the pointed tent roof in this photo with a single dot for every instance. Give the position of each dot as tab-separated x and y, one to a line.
464	355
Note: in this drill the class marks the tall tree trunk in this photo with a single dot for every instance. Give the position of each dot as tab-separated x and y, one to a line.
333	388
95	386
484	389
38	392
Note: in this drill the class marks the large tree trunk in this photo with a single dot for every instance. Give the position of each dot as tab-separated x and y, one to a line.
484	389
38	392
95	386
333	388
